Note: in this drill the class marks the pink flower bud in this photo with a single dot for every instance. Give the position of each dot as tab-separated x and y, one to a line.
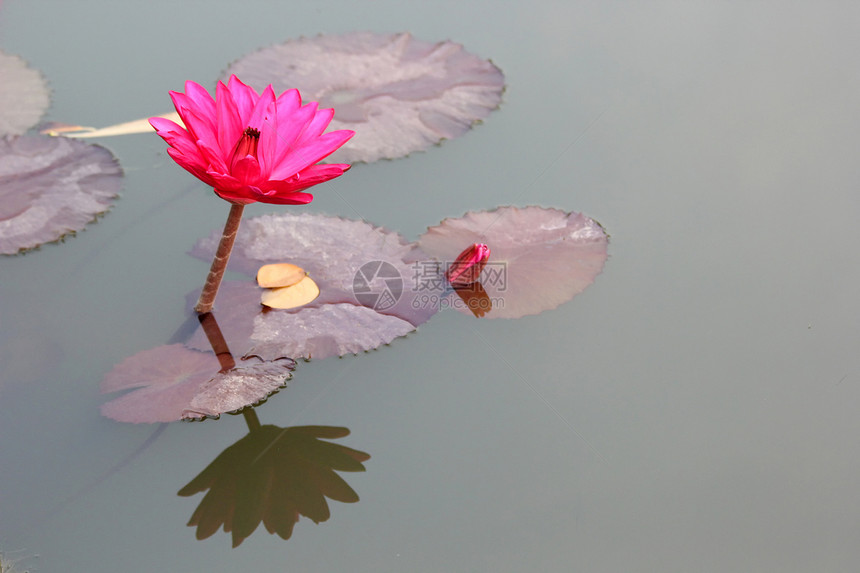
468	266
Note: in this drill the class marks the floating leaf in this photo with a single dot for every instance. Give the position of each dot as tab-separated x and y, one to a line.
329	330
23	95
293	296
176	383
352	261
238	305
397	93
540	257
279	275
50	187
313	331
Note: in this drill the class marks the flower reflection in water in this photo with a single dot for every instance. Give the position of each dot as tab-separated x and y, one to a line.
273	475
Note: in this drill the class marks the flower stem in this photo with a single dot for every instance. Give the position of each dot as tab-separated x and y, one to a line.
219	263
216	339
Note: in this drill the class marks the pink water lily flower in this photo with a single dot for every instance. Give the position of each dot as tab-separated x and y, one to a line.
252	147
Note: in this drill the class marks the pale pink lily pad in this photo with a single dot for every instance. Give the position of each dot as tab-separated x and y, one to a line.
332	250
238	305
346	258
177	383
397	93
325	331
311	332
50	187
315	331
23	95
540	258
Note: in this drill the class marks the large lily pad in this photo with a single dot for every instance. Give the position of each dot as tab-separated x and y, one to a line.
366	277
50	187
328	330
397	93
23	95
353	262
540	258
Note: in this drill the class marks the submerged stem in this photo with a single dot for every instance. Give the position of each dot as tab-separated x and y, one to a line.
251	419
219	263
216	339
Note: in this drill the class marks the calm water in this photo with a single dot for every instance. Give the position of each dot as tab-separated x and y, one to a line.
693	410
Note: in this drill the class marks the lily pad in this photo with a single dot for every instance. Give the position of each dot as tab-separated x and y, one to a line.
365	274
397	93
23	95
329	330
238	305
540	258
50	187
350	260
314	331
176	383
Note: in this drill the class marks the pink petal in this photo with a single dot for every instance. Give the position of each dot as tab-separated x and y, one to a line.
200	127
258	114
309	177
213	160
289	127
289	101
310	153
247	170
244	96
190	164
176	137
322	118
229	122
240	197
196	119
161	124
291	198
226	183
268	144
201	97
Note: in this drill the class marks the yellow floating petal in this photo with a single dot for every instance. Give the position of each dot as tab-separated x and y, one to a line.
136	126
279	275
301	293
